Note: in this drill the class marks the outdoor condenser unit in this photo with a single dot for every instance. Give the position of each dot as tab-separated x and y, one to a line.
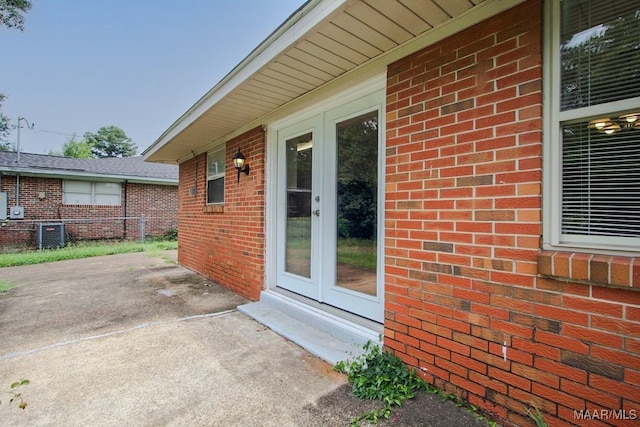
50	236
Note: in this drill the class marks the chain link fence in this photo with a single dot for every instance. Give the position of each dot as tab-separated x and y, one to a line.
21	235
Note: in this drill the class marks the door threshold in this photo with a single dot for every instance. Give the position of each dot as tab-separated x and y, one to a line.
326	332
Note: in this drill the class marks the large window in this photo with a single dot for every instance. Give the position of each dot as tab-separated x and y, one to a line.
215	176
593	143
90	193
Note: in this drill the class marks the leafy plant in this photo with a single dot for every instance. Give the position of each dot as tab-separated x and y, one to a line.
15	395
171	235
537	417
380	375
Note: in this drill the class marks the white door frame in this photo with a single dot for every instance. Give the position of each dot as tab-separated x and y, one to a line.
361	90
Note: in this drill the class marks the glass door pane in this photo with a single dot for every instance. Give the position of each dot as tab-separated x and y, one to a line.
299	157
328	207
357	203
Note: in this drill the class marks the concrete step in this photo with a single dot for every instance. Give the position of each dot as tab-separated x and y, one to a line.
328	335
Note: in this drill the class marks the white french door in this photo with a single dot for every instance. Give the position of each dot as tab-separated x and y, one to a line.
298	242
329	207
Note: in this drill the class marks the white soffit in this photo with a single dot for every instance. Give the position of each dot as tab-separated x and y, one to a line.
322	41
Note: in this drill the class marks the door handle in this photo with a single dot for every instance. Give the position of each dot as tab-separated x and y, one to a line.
316	212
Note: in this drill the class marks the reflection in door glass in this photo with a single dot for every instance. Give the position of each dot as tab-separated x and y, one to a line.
357	203
298	241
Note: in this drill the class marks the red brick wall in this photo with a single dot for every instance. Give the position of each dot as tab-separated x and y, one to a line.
158	203
226	242
20	233
463	226
30	188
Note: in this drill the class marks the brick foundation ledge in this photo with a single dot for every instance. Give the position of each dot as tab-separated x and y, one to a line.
604	270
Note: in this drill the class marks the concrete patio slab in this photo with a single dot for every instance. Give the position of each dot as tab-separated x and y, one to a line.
138	340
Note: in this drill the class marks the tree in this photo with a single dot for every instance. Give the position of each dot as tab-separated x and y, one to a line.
357	151
80	149
5	145
11	12
110	141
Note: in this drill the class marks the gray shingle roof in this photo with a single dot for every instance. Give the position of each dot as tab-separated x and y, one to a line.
125	167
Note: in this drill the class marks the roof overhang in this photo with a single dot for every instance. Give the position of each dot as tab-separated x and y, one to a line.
322	45
83	175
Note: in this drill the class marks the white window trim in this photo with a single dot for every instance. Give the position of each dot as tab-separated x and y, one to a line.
552	238
210	154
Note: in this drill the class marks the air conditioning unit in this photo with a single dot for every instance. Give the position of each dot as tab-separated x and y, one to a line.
50	236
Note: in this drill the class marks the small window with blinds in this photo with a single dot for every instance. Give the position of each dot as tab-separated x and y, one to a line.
215	176
597	116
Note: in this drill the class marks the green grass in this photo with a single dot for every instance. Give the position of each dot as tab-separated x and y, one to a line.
5	287
351	251
83	251
357	252
299	233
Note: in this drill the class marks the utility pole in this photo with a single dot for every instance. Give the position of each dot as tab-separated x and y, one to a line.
29	126
17	211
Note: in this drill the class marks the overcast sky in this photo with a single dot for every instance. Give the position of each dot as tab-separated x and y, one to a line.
136	64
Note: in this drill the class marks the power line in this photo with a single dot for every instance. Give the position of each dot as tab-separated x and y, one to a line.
36	130
58	133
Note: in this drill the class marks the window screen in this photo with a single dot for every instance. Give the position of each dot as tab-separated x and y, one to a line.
107	193
91	193
77	193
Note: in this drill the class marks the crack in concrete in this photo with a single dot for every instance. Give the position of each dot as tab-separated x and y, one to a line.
122	331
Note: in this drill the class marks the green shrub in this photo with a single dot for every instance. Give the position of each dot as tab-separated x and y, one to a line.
380	375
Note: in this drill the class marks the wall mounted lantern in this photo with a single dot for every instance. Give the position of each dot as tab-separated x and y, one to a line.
240	163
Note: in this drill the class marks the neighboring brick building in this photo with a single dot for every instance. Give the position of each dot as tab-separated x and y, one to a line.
492	144
94	198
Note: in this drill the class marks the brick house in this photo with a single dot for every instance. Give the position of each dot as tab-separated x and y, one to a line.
460	176
94	198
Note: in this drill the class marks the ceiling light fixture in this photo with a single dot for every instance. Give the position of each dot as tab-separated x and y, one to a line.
611	126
